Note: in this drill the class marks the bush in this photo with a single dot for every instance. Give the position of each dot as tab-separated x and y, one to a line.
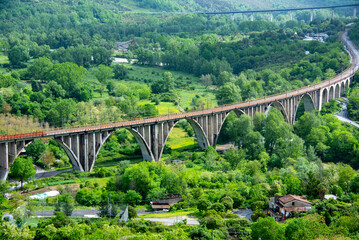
218	207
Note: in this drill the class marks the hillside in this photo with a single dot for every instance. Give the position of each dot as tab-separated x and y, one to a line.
162	5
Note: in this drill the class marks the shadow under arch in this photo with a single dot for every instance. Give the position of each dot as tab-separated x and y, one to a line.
347	83
331	92
238	113
342	88
324	96
337	91
308	103
277	105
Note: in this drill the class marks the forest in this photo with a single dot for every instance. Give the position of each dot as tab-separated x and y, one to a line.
59	68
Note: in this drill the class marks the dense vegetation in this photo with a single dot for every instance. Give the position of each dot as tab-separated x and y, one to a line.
278	162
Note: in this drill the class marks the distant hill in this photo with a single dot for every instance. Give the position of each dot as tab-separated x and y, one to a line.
178	5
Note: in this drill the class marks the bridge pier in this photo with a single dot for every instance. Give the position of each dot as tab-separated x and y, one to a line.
332	13
291	15
271	17
83	148
311	15
354	12
8	152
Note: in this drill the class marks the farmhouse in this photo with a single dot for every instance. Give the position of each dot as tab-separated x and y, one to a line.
281	207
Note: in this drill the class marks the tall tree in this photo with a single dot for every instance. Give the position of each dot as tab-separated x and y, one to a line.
22	169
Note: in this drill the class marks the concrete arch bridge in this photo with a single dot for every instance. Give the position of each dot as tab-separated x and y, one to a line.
82	144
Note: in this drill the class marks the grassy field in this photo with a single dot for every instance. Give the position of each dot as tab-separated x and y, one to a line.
179	139
168	214
193	87
164	107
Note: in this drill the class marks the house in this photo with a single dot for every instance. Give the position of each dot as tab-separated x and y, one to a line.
280	207
123	46
166	203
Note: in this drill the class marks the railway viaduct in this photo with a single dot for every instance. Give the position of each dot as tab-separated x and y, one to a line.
82	144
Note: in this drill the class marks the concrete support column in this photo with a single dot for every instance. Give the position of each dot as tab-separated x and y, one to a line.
311	15
271	17
252	17
355	12
332	13
291	15
155	140
4	161
84	156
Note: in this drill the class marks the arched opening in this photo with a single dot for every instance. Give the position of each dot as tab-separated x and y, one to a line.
182	138
342	88
306	104
337	91
280	108
236	113
331	92
347	83
121	145
225	140
324	96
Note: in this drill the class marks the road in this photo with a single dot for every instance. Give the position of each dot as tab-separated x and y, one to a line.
343	115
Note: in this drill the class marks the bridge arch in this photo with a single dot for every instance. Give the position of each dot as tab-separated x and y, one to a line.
337	91
202	138
347	83
145	148
200	134
279	106
331	92
307	102
75	161
238	113
324	96
342	88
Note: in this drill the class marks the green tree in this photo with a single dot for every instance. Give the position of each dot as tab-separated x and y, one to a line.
234	157
267	228
302	228
40	68
22	169
239	128
254	144
67	204
133	198
132	212
18	55
35	149
103	73
165	84
346	175
203	204
120	71
68	75
229	93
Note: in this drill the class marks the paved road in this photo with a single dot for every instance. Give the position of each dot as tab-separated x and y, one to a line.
343	115
41	173
75	213
244	213
173	220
